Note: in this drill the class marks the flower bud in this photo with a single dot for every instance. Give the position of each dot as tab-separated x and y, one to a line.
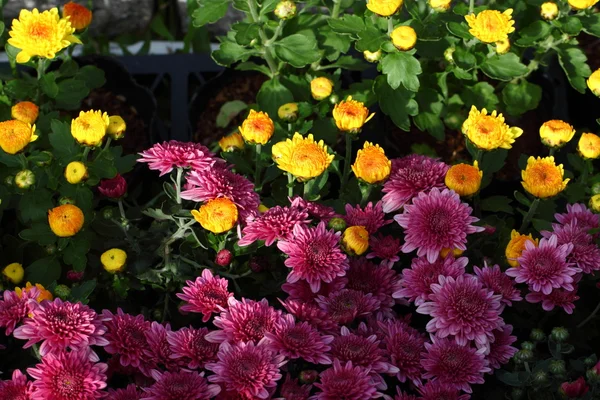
556	133
440	5
355	240
116	127
223	258
25	111
232	142
596	188
589	361
592	376
384	8
528	346
62	291
49	157
334	99
113	188
337	224
537	335
595	203
557	367
288	112
574	390
258	264
285	9
74	276
540	377
157	314
107	213
76	172
50	249
404	38
80	17
321	88
503	46
25	179
589	146
308	376
524	355
14	272
372	57
449	54
113	260
9	180
549	11
517	394
593	82
65	200
559	334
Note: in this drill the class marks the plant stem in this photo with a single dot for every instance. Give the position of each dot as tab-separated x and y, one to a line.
592	315
530	214
587	166
257	168
366	193
390	22
471	6
86	151
551	152
346	172
290	185
178	185
41	67
107	144
478	155
266	44
337	7
121	209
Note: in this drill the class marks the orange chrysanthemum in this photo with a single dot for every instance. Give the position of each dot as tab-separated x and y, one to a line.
79	16
350	115
516	245
543	178
464	179
489	132
15	135
66	220
371	165
355	240
25	111
218	215
257	128
44	293
302	157
491	26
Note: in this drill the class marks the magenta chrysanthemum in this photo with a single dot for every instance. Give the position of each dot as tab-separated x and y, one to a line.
435	221
582	216
60	326
364	351
182	385
498	282
315	210
346	305
585	254
17	388
386	248
410	176
244	321
463	308
557	298
291	390
346	382
314	255
71	375
129	393
300	290
404	396
545	267
435	390
165	156
206	295
416	281
311	313
367	277
221	182
372	217
501	350
14	308
404	346
190	346
275	224
159	349
454	365
247	368
299	340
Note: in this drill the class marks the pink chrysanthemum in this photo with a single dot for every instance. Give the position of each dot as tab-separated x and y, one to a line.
291	390
71	375
300	290
182	385
206	295
165	156
246	368
314	255
454	365
410	176
386	248
585	254
501	350
435	390
60	326
372	217
129	393
545	267
498	282
315	210
244	321
364	351
404	346
367	277
221	182
463	308
346	305
312	314
191	347
415	285
403	396
346	382
299	340
275	224
14	308
579	213
17	388
557	298
435	221
159	349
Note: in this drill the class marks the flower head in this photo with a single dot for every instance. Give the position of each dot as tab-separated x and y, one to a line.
489	132
181	385
314	210
275	224
218	215
435	390
206	295
440	5
589	146
129	393
231	142
345	381
355	240
159	349
594	203
65	220
362	350
372	56
347	304
404	346
190	346
464	179
291	390
113	260
501	350
371	164
593	82
41	34
312	314
25	111
549	10
113	188
498	282
17	388
350	115
585	254
367	277
116	127
491	26
576	389
89	128
543	178
302	157
289	111
562	298
257	128
404	37
371	217
321	88
386	248
15	306
75	172
14	272
384	8
582	4
516	245
556	133
79	16
15	135
41	292
583	217
165	156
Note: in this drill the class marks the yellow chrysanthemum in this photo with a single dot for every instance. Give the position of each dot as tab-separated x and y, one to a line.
116	127
582	4
491	26
355	240
350	115
543	178
371	165
43	295
288	112
556	133
79	16
440	5
503	46
489	132
90	127
231	142
516	245
15	135
41	34
257	128
404	37
321	88
595	203
593	82
302	157
384	8
75	172
217	215
464	179
14	272
372	56
113	260
65	220
455	252
589	146
549	11
25	111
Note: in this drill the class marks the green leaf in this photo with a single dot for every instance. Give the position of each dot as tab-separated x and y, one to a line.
250	66
522	97
20	89
371	39
70	93
532	33
76	252
230	52
333	43
267	6
123	164
10	160
83	291
82	195
63	144
591	24
39	233
245	32
509	378
504	67
574	62
521	198
571	25
464	59
103	166
68	68
398	104
92	76
1	27
273	95
298	50
43	271
493	161
229	111
159	27
430	122
497	204
48	85
34	205
460	30
209	11
402	68
480	95
349	24
350	63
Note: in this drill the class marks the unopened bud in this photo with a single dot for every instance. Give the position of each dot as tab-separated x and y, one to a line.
559	334
25	179
337	224
223	258
308	376
285	9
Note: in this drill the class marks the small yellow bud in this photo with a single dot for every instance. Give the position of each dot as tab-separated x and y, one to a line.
285	9
116	127
25	179
595	203
503	46
589	146
404	38
549	11
440	5
14	272
288	112
372	56
75	172
113	260
355	240
321	88
231	142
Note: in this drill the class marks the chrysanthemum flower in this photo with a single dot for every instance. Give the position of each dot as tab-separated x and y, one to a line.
41	34
159	349
562	298
355	240
435	221
549	10
275	224
364	351
217	215
491	26
346	305
302	157
15	135
113	260
410	176
17	388
257	128
371	217
244	321
593	82
129	393
543	178
190	345
292	390
416	281
311	313
435	390
299	340
314	255
463	308
386	248
501	350
371	164
60	326
89	128
384	8
367	277
350	115
454	365
582	4
585	254
556	133
206	295
113	188
68	376
301	290
42	292
66	220
579	213
116	127
15	306
165	156
14	272
589	146
404	37
494	279
25	111
345	381
403	396
246	368
75	172
516	245
545	267
464	179
321	88
404	346
489	132
231	142
79	16
314	210
181	385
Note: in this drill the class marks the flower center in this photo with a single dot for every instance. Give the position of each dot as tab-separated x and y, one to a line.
68	384
40	30
439	222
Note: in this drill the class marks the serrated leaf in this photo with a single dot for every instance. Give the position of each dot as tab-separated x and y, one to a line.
70	93
532	33
480	95
229	53
298	50
63	144
83	291
76	253
460	30
39	233
48	85
430	122
504	67
464	59
250	66
398	104
522	97
209	11
591	24
92	76
402	69
497	204
574	62
229	111
571	25
245	32
34	205
43	271
349	24
371	39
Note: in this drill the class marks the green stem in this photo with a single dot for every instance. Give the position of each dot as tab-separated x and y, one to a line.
257	170
530	214
290	185
471	6
478	155
86	151
346	172
527	367
266	44
592	315
366	193
107	145
390	22
178	185
337	8
165	308
552	151
121	209
308	185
